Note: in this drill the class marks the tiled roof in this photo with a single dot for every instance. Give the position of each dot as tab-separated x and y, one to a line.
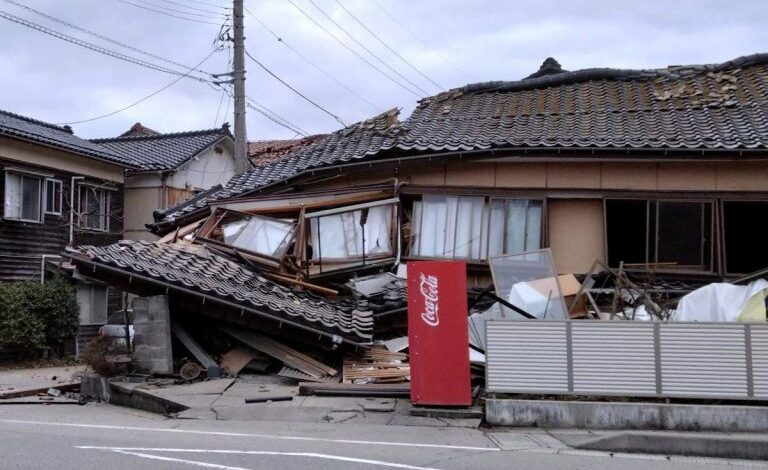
163	151
194	267
138	129
263	152
355	141
60	137
710	107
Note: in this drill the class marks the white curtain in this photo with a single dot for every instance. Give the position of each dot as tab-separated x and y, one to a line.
340	236
12	196
449	227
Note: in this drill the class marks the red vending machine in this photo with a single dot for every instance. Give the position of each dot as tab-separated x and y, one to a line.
437	333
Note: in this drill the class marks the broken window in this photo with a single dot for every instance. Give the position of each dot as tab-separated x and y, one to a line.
474	228
365	232
255	234
269	237
744	239
669	234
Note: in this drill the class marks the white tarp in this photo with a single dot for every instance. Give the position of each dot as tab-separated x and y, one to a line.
722	302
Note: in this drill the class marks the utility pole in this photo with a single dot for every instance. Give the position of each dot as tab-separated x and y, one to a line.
242	163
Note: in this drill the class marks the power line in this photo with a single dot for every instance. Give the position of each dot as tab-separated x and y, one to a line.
146	97
97	35
309	100
93	47
199	2
167	14
359	56
274	117
215	16
193	8
335	23
388	46
417	38
311	62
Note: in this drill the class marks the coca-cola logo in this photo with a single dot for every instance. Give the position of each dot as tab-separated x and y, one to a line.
429	291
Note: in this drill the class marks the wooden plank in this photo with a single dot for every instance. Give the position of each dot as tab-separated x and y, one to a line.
281	352
192	346
396	390
291	373
235	360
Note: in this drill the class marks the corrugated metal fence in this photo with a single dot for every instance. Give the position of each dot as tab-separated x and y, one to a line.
693	360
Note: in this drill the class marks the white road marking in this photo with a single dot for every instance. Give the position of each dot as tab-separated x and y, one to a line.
237	434
139	451
194	463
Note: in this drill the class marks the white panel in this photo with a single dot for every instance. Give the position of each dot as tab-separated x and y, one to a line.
613	358
526	356
704	359
760	360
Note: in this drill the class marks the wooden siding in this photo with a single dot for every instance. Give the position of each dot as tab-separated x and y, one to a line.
22	244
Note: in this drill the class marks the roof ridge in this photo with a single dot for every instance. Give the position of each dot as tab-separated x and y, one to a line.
592	74
38	122
224	130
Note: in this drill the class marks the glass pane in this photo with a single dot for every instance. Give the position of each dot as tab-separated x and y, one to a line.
434	218
30	198
517	216
529	282
533	226
53	196
264	236
341	235
496	230
12	196
468	228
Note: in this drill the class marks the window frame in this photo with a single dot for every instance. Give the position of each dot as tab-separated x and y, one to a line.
485	230
60	184
81	218
41	198
652	244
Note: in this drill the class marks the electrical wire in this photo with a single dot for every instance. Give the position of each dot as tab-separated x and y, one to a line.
194	8
215	16
99	36
199	2
357	54
146	97
338	2
312	63
167	14
94	47
417	38
274	117
366	49
302	95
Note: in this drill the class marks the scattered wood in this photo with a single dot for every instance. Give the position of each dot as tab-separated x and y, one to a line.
291	373
28	392
377	365
192	346
281	352
341	389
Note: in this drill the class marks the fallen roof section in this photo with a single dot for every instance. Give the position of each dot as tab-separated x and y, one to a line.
193	269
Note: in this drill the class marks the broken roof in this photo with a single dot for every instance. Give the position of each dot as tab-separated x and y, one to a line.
20	127
195	268
163	151
699	107
264	152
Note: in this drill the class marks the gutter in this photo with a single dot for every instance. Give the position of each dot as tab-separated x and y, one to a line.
335	339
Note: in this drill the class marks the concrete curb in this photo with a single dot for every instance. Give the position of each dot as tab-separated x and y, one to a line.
700	445
608	415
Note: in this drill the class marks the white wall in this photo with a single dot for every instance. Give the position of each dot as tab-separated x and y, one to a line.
207	169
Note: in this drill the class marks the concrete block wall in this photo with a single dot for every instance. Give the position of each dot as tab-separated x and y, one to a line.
152	334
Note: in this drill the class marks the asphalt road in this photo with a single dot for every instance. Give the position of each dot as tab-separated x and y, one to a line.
113	438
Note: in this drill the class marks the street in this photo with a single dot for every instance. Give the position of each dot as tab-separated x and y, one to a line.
108	437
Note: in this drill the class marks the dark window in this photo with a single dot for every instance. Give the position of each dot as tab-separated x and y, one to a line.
675	235
745	248
53	197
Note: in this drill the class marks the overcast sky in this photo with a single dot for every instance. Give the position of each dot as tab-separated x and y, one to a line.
452	42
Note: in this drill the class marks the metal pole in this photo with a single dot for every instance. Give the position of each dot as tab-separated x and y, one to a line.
238	75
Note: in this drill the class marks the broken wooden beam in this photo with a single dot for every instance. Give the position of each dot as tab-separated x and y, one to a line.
27	392
181	333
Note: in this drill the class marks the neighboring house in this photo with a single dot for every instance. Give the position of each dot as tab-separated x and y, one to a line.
172	167
58	190
665	168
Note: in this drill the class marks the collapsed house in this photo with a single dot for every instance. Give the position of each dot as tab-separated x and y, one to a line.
662	170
